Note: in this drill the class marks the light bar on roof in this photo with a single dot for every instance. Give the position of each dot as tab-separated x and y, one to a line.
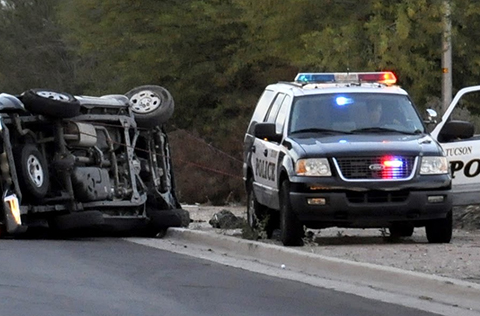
383	77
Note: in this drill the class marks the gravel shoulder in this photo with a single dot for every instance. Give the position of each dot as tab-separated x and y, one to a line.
459	259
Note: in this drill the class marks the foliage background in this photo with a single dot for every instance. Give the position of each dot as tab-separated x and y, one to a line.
216	56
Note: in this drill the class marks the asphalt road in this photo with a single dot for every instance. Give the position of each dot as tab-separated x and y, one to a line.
108	276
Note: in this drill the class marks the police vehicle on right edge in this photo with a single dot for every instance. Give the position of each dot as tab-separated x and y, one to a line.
351	150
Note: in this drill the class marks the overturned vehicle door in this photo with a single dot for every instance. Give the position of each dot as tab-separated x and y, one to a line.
74	162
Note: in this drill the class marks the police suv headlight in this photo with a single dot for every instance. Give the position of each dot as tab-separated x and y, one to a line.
314	167
434	165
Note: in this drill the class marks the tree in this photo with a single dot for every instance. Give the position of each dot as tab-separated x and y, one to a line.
466	51
182	45
32	50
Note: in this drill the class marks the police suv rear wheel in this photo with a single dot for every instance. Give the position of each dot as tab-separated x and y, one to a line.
255	210
440	230
259	217
291	229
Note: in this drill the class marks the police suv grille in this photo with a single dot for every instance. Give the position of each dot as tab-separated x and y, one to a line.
373	168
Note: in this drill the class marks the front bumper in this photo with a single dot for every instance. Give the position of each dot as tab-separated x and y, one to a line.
371	208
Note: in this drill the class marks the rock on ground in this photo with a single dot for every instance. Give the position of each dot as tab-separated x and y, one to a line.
225	219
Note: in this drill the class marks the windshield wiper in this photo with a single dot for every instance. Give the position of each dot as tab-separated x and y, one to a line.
319	130
384	129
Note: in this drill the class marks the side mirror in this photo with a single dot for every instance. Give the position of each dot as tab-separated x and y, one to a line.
456	130
431	117
266	131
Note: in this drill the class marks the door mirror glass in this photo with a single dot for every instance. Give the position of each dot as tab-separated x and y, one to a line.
267	131
456	130
431	117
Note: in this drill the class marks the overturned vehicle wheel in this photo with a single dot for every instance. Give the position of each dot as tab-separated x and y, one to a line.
32	172
50	103
151	105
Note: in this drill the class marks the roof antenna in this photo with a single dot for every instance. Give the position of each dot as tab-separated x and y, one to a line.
348	62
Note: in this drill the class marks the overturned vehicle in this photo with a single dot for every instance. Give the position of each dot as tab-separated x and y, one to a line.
73	162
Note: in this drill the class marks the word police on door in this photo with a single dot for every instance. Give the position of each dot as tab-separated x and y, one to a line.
265	169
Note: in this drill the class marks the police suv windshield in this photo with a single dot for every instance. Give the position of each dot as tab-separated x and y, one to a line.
354	113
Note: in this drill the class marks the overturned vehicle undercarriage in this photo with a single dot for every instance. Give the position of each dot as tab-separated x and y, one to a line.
74	162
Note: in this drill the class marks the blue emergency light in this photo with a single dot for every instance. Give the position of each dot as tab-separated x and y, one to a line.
315	77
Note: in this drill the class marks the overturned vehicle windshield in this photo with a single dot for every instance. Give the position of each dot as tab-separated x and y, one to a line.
73	162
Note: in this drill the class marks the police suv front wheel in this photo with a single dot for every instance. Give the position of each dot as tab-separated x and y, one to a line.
440	230
291	229
401	230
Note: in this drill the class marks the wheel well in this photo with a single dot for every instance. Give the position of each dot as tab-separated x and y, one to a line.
283	176
249	176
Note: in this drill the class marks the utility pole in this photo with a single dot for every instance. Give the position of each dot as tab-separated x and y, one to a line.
447	56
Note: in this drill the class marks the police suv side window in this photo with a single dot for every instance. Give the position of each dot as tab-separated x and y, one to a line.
282	114
272	112
261	109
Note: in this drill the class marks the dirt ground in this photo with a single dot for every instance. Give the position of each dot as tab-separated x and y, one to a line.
459	259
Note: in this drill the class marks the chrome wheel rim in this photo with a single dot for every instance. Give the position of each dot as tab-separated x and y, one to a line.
35	171
145	102
53	95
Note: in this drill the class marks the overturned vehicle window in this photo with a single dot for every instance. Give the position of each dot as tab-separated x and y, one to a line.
75	162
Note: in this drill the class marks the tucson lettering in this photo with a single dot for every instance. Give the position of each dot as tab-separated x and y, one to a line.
459	151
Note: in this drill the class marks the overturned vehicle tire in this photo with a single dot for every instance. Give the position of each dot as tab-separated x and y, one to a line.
152	105
50	103
32	171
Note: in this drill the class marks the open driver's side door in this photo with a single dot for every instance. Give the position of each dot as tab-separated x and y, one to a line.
459	134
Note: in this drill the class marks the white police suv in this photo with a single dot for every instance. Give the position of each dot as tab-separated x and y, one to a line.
347	150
